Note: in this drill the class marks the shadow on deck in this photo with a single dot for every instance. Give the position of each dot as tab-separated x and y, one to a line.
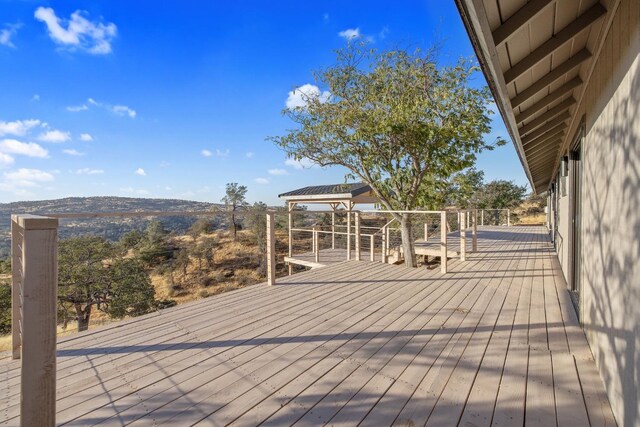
495	341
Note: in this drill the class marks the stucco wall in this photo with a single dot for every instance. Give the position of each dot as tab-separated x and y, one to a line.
611	214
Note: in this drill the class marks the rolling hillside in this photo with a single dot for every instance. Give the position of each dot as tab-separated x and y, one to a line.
111	228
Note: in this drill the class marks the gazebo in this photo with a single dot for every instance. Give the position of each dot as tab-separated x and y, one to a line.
335	196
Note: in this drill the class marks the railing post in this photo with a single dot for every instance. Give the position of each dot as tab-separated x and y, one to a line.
508	217
333	230
443	242
482	217
475	231
372	248
39	280
348	235
426	230
316	244
290	209
357	226
16	285
463	236
384	245
271	248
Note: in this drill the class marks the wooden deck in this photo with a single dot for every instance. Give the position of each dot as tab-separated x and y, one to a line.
494	342
329	256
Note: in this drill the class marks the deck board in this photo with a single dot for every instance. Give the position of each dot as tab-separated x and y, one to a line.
493	342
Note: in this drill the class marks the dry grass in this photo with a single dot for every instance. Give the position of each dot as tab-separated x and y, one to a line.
236	266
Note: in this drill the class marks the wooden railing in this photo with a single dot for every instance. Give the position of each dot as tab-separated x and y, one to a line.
466	219
34	289
507	211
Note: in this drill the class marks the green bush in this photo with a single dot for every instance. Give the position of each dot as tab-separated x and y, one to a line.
5	308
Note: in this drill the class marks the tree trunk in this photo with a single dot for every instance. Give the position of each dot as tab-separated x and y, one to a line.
233	223
83	317
407	241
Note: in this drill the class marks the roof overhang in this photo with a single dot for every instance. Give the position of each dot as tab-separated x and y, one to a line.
334	198
536	56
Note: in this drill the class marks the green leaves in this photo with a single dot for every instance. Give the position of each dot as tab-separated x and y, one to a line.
394	119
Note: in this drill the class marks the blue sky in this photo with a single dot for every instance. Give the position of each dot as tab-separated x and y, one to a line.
131	99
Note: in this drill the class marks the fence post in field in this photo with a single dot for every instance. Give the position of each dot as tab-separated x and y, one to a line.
348	235
474	232
37	272
443	242
463	236
271	248
357	226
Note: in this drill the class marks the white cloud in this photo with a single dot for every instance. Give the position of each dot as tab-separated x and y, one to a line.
119	110
350	33
299	97
89	171
225	153
249	154
7	33
86	137
167	188
141	172
35	98
54	136
77	108
278	172
134	191
164	164
261	181
325	17
80	33
28	177
73	152
6	160
18	127
206	153
29	149
123	110
383	33
303	163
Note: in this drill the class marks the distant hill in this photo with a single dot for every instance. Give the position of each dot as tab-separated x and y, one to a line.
111	228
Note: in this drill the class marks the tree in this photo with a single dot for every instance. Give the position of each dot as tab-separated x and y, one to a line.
155	248
201	226
464	188
257	222
396	120
234	200
91	275
181	262
500	194
131	239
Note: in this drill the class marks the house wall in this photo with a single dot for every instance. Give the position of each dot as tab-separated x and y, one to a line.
610	231
562	227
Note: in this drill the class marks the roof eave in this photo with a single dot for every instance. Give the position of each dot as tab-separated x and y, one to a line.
476	24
